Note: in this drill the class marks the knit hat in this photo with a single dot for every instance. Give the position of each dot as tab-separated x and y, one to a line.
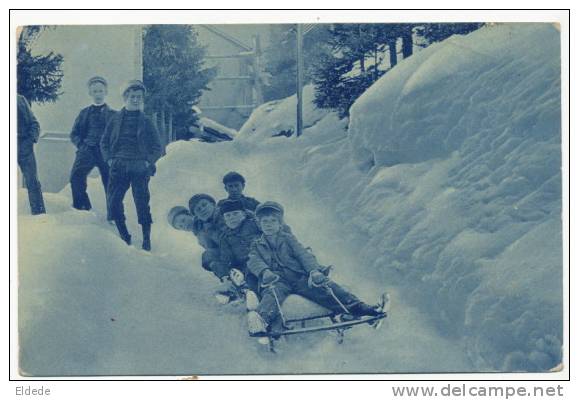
133	85
175	212
196	198
269	206
231	205
233	177
97	79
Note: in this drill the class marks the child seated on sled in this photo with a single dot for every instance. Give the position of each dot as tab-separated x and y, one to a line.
240	231
283	267
234	184
204	219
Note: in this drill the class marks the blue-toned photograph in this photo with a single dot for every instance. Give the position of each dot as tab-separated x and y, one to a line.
254	199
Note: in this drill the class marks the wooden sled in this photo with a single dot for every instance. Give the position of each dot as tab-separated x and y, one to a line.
298	311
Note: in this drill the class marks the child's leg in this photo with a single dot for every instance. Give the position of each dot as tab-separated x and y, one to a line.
83	164
119	183
331	296
271	300
209	256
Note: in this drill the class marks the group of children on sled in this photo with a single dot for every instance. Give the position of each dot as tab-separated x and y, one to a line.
255	255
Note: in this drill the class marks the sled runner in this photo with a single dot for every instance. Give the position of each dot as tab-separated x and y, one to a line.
299	312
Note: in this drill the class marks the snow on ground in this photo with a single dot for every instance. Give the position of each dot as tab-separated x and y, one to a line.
91	305
450	166
444	189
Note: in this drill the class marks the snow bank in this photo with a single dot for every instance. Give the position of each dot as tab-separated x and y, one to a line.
455	181
90	305
276	116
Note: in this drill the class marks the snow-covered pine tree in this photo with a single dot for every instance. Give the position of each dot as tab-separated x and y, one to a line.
173	72
39	77
438	32
354	62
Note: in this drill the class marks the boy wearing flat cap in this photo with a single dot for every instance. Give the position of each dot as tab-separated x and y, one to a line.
240	231
207	226
283	266
86	135
131	146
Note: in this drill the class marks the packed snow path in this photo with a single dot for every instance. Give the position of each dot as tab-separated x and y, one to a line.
90	305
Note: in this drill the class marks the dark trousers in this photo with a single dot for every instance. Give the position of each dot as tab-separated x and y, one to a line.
122	175
27	164
268	307
87	157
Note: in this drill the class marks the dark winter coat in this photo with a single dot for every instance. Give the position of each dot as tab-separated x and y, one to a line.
28	127
209	232
149	143
80	126
249	203
235	243
287	257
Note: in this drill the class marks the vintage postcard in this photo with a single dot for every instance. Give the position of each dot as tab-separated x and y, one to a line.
289	198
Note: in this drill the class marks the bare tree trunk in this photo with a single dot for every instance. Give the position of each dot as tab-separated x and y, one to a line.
362	56
163	131
375	63
392	51
170	128
407	43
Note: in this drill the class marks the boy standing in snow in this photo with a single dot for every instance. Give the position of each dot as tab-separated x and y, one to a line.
86	135
28	133
234	184
131	146
283	266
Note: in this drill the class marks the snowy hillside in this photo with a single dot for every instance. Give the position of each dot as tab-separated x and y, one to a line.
450	170
444	187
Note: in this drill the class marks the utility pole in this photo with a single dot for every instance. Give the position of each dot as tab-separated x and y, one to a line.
300	80
138	52
257	72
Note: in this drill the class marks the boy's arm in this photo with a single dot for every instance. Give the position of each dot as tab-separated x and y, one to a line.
75	133
254	203
255	263
105	140
225	252
34	125
202	240
306	258
29	120
155	147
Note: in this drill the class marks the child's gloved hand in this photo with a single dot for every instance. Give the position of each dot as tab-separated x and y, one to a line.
317	278
268	278
237	277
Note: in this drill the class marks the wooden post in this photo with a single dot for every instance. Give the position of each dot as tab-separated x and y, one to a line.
138	52
170	128
257	72
300	80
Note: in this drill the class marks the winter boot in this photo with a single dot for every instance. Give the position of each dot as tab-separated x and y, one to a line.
362	309
237	277
255	324
251	300
226	292
123	231
146	237
36	200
